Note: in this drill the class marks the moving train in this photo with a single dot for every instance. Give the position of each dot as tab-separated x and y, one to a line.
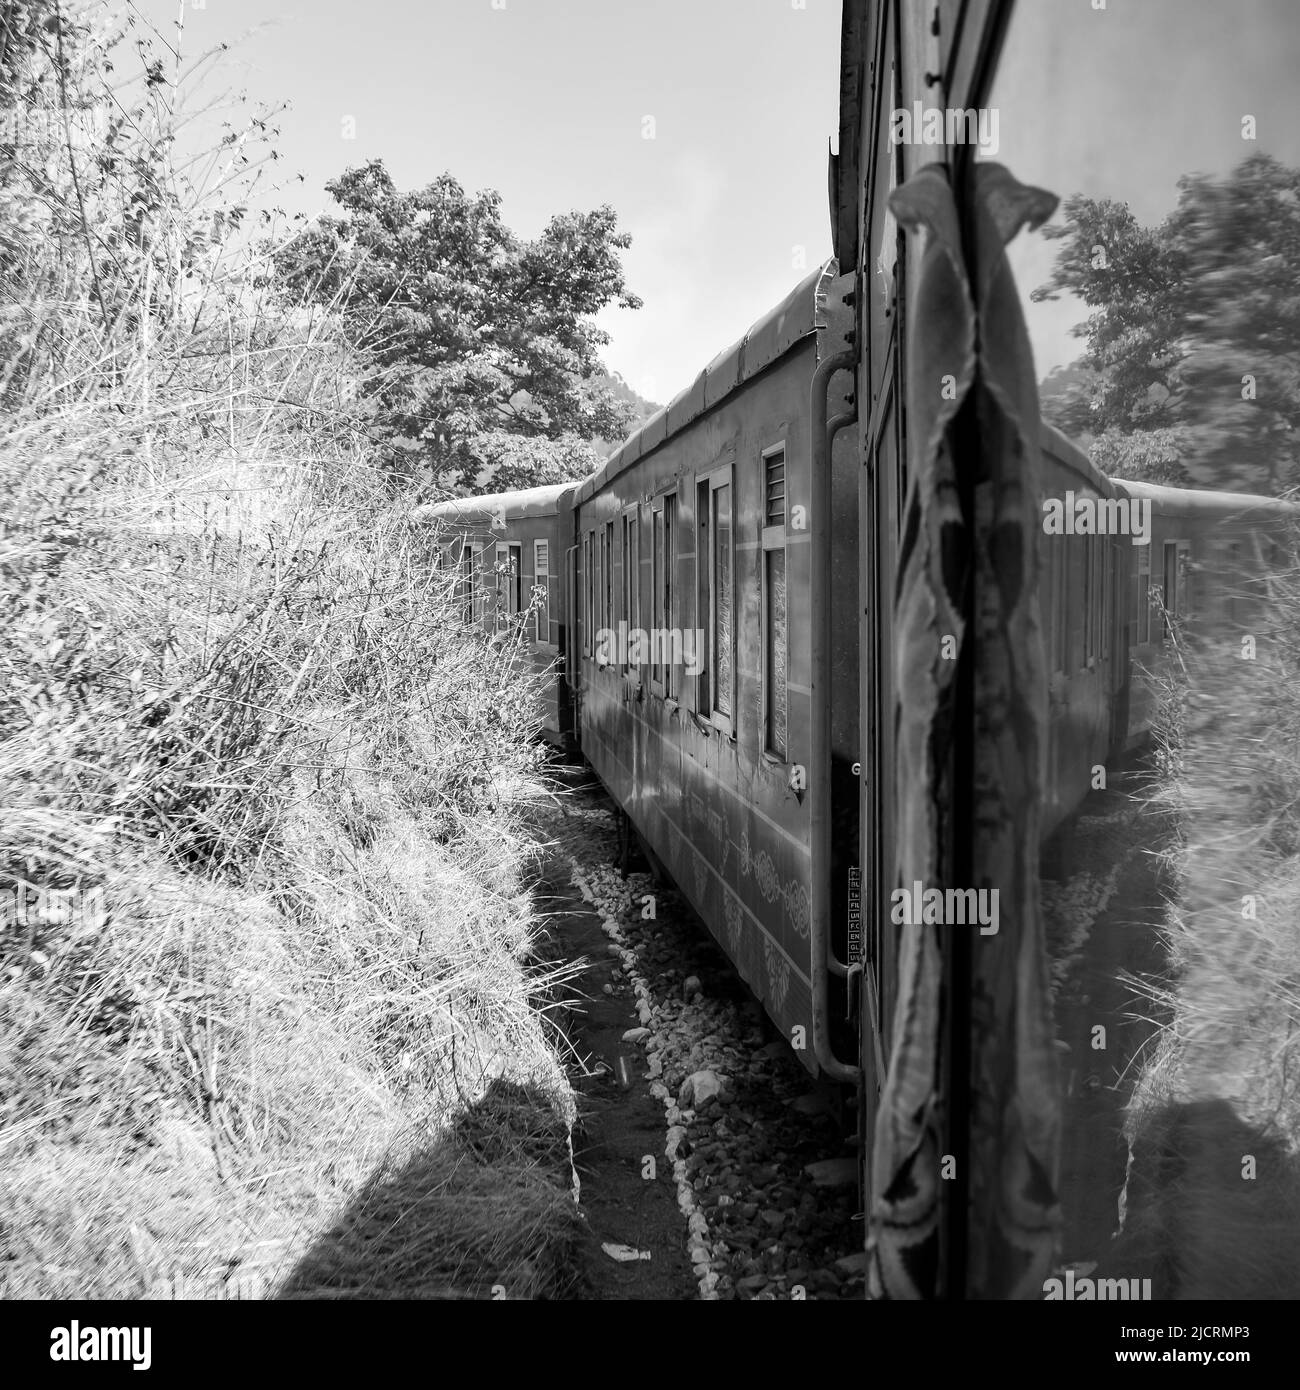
729	614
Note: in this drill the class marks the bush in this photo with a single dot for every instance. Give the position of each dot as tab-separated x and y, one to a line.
262	834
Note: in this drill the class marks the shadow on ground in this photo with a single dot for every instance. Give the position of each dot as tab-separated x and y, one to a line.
485	1210
1213	1208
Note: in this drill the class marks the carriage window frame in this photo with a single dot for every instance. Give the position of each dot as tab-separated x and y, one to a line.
1060	601
707	486
610	594
599	619
508	583
664	519
465	563
631	585
774	538
542	580
1182	580
1142	590
588	592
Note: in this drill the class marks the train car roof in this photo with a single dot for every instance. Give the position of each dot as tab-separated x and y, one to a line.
1066	451
765	342
1194	502
522	504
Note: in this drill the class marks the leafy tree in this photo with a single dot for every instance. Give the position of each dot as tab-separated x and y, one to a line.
485	347
1193	343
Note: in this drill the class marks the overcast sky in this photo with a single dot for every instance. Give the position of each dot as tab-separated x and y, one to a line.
544	100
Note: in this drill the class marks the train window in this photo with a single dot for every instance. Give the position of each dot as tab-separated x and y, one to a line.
479	583
631	580
1142	594
1109	567
601	618
1076	595
542	581
721	612
1059	555
1086	617
1165	130
609	590
588	594
1204	87
1176	597
634	583
1170	596
509	579
663	600
775	645
703	704
775	649
467	581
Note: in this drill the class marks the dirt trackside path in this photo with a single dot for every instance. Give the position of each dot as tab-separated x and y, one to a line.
618	1129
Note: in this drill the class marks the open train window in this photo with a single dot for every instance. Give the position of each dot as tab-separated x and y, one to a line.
542	581
465	584
1087	615
1142	594
715	568
663	601
1059	553
1176	597
631	582
609	590
509	579
602	617
1076	550
467	581
588	594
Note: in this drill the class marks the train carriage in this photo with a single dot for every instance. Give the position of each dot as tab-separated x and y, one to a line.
696	674
726	619
507	550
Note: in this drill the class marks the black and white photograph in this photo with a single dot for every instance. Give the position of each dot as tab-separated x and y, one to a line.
649	652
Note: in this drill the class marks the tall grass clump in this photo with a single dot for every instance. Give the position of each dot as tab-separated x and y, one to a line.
1214	1125
266	924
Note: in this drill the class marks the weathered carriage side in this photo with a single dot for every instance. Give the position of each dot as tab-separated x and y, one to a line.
697	532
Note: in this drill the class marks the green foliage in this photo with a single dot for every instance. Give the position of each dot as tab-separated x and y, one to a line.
1144	456
484	346
641	408
1182	314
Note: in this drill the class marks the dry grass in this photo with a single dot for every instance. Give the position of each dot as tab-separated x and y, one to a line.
262	795
1214	1125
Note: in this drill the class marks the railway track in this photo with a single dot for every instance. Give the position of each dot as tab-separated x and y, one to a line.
756	1156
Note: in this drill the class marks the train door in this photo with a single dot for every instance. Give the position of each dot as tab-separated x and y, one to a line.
924	64
879	510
